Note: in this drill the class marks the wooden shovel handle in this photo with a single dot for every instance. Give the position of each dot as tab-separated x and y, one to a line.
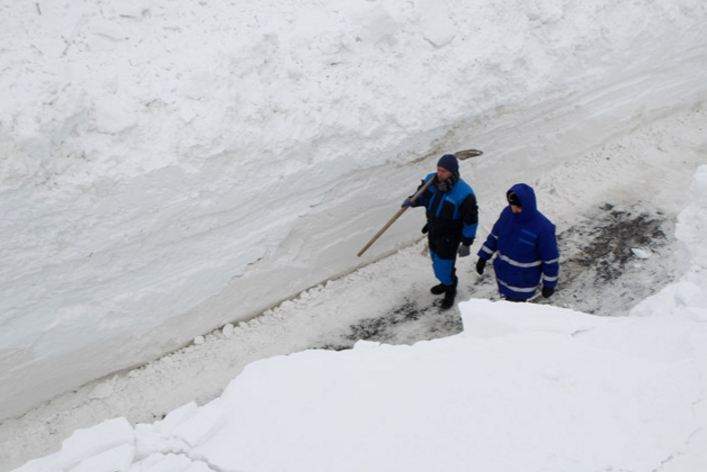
395	217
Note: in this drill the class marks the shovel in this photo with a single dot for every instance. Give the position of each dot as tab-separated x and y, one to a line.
461	155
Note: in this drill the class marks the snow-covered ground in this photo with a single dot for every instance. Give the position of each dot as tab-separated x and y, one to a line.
523	387
167	167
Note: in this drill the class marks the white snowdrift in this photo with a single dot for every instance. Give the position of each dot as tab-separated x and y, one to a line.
524	387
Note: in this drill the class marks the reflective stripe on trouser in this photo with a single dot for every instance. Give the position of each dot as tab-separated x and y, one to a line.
444	269
515	293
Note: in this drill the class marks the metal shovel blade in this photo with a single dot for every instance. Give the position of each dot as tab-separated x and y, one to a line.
467	153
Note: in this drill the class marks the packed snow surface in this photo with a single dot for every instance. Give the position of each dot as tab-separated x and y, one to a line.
167	167
523	387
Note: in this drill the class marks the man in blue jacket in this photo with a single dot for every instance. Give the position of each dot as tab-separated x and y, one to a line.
524	242
452	217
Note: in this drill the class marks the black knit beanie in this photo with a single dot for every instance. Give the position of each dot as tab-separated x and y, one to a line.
449	162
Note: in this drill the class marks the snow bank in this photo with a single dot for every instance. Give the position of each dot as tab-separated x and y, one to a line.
686	297
166	167
93	449
524	387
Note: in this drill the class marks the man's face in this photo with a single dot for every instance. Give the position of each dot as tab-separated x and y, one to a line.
443	174
513	201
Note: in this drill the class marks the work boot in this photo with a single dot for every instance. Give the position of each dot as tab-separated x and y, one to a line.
450	292
438	289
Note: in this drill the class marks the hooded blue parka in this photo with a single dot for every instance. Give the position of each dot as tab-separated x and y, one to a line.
525	246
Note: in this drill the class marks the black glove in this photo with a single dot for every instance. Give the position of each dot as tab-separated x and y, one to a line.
463	250
407	203
548	291
480	264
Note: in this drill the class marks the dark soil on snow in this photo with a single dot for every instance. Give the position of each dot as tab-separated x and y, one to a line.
610	242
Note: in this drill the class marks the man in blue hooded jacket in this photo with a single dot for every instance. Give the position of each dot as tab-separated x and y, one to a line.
452	218
525	245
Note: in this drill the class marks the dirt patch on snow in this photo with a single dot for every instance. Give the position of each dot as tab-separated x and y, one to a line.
612	241
614	258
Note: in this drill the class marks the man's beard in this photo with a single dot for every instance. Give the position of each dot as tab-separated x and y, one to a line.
446	185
